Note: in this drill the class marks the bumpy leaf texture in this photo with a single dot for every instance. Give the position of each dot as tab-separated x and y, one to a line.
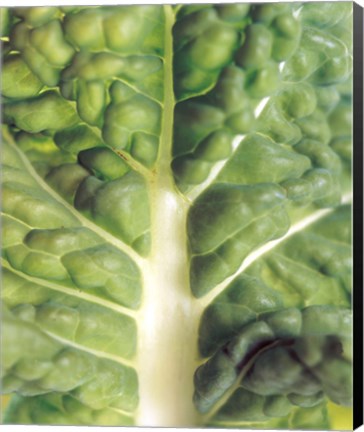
176	214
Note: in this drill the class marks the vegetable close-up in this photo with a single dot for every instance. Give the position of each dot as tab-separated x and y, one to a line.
176	215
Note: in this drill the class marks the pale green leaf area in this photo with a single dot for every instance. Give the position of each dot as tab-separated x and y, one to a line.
176	215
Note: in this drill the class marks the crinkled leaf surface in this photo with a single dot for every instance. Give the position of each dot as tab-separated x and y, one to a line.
176	214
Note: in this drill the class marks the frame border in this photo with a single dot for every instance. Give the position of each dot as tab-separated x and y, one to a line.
358	215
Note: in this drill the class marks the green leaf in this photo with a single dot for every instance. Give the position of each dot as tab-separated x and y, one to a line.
176	216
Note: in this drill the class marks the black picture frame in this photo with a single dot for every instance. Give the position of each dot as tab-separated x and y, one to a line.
358	216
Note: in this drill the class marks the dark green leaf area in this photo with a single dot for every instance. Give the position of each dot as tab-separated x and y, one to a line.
85	324
66	178
209	269
90	98
285	375
297	100
256	408
125	107
241	303
297	359
85	51
78	138
275	123
124	30
143	72
220	372
120	206
205	127
272	37
47	365
208	39
186	29
260	160
257	46
203	45
278	371
226	223
321	155
315	266
287	31
291	116
228	100
332	260
266	13
117	76
306	269
317	125
337	226
89	155
233	12
310	135
188	9
225	209
58	409
265	409
104	163
128	117
275	33
224	95
319	275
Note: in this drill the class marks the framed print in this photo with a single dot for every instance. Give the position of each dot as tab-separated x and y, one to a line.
182	215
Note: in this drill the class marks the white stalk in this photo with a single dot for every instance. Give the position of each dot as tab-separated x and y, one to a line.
167	352
167	328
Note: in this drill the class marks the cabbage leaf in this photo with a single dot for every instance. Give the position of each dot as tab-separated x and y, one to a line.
176	214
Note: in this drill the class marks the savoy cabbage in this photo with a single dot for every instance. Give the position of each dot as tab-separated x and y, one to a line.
176	214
